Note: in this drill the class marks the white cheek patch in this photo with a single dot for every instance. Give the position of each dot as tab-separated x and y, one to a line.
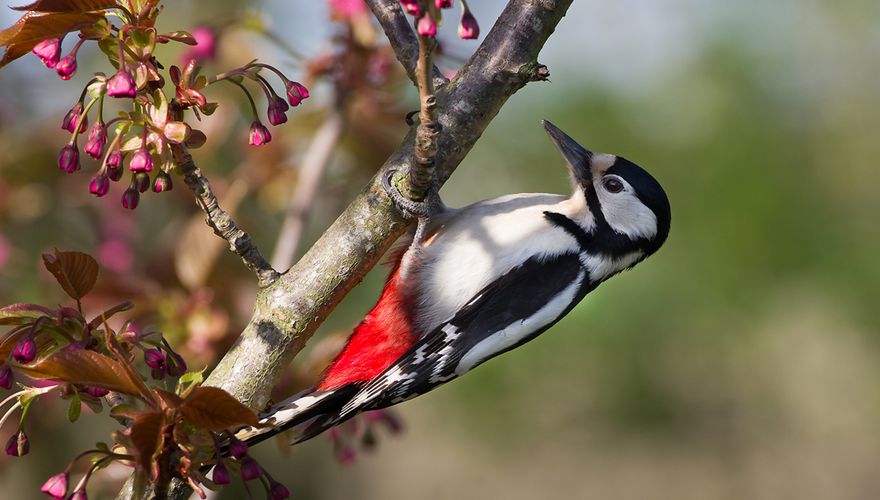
626	214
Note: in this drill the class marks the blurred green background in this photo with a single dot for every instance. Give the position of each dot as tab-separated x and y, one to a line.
742	361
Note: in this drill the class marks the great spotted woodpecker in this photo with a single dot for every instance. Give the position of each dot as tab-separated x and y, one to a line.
481	280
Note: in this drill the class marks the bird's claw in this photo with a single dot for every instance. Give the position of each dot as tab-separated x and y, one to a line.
406	206
422	210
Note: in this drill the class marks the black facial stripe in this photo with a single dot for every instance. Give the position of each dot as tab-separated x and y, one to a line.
571	227
602	240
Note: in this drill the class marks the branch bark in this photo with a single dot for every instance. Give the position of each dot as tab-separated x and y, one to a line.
288	311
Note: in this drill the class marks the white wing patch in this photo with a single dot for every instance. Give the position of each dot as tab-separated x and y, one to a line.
514	333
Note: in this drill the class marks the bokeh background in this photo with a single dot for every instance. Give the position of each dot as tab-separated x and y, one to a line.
742	361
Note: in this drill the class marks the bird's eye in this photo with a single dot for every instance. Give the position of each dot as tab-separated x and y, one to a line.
613	185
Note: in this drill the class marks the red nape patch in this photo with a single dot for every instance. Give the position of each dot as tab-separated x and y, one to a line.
379	340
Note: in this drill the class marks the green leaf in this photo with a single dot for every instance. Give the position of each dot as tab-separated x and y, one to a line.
176	132
188	381
144	40
26	400
20	314
75	408
132	144
76	272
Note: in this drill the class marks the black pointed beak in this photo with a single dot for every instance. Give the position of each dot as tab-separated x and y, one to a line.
576	156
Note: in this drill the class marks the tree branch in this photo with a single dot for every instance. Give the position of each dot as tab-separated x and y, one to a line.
402	37
220	221
288	312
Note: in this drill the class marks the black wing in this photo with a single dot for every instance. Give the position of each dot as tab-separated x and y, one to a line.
514	300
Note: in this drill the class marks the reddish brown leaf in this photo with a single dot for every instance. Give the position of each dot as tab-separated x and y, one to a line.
167	399
19	314
215	410
34	27
83	367
69	5
146	434
76	272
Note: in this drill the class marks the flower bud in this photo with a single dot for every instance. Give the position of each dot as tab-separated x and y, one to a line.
296	92
237	448
250	469
114	160
277	491
258	134
66	67
130	198
175	364
410	6
97	139
68	160
72	118
427	26
468	29
162	182
95	391
25	350
18	444
443	4
6	377
154	358
141	161
49	51
99	185
121	85
142	182
56	486
221	474
276	112
79	494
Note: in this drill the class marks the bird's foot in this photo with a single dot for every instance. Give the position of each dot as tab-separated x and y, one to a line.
422	210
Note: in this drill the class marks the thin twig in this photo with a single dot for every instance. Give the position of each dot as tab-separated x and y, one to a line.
402	37
422	172
220	221
313	165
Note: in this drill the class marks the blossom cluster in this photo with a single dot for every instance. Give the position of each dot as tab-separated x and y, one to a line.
150	123
430	16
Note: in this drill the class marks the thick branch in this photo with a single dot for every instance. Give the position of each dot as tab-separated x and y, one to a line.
220	221
398	29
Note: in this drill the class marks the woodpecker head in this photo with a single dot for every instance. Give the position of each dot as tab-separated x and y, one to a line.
627	208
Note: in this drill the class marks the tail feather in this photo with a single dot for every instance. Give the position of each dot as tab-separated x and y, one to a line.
296	411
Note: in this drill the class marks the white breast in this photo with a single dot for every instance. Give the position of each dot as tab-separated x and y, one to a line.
481	242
